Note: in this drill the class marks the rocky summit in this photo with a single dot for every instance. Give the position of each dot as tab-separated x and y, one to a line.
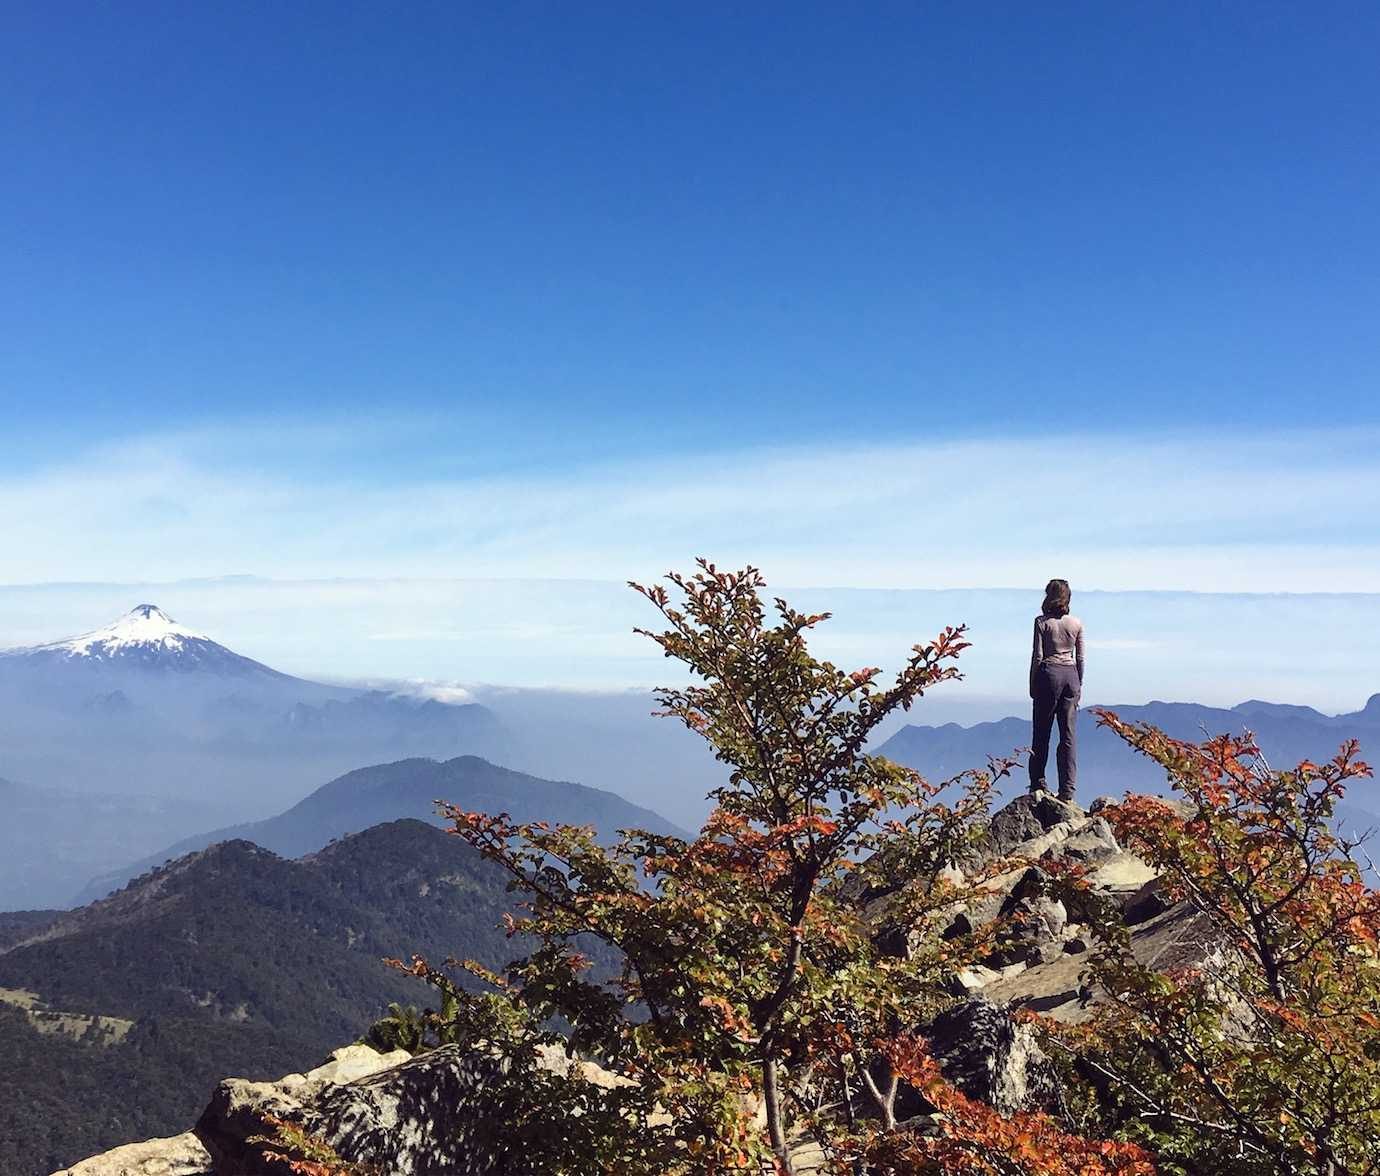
414	1116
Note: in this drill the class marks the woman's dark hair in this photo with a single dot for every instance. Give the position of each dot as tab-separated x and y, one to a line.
1057	597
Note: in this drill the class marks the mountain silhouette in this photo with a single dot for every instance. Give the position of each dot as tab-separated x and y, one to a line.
410	788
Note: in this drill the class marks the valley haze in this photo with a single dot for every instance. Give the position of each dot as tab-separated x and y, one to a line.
170	735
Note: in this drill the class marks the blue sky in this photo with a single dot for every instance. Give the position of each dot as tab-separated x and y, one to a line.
900	296
578	231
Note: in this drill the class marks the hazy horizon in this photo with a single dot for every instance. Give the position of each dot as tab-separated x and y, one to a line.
437	636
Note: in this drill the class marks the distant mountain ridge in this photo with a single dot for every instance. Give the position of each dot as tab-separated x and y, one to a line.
409	789
1286	734
229	956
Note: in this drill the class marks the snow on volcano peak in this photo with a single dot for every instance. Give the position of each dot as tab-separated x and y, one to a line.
144	640
145	627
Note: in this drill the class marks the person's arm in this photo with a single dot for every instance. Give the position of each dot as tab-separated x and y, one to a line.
1078	654
1034	656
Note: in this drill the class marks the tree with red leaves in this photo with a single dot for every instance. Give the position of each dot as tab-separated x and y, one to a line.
750	950
1263	1057
972	1139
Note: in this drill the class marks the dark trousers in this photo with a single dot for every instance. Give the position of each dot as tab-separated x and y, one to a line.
1056	697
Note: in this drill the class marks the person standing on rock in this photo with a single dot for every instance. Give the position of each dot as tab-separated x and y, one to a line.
1056	684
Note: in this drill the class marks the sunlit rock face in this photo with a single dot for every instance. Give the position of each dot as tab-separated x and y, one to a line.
432	1115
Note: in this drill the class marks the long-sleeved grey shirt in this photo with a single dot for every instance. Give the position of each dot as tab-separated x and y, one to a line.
1059	641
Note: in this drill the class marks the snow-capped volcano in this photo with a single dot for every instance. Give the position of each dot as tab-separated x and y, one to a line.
150	706
145	638
147	626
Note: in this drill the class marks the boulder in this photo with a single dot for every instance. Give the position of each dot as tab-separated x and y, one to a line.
1111	883
1033	883
1093	841
1147	902
969	980
1025	819
984	909
430	1115
1031	827
1121	875
425	1117
991	1057
998	898
179	1155
238	1109
1034	933
1044	925
438	1114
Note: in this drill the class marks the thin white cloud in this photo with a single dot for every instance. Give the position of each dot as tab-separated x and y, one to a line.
419	688
1207	647
1264	513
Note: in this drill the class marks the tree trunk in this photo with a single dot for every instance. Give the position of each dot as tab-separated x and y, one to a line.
885	1099
771	1099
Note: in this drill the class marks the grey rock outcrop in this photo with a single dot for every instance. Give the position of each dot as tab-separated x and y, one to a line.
425	1117
991	1057
1024	820
437	1114
238	1110
178	1155
1038	959
1147	902
1093	842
